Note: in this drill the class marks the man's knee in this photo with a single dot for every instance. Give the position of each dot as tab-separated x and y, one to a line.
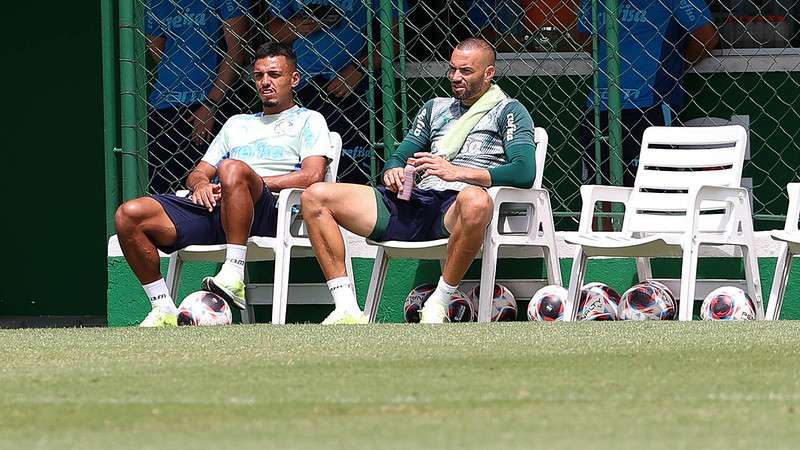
232	171
474	207
131	214
316	196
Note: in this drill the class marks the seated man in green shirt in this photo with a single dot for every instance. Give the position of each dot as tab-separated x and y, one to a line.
458	146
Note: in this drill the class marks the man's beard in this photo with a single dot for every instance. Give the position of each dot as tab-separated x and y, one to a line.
269	103
469	91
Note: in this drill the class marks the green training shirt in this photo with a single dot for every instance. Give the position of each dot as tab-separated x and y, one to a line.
501	142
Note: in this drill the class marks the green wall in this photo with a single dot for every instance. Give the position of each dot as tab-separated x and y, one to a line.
53	207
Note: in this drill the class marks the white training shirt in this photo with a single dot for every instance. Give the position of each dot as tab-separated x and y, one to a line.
273	144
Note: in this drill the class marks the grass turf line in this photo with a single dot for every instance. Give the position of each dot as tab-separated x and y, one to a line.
511	385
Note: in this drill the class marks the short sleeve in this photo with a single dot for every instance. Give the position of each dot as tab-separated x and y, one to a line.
219	148
692	14
152	24
315	138
229	9
585	18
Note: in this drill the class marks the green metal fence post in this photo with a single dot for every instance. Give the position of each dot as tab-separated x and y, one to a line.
373	164
110	111
127	74
387	76
598	135
614	101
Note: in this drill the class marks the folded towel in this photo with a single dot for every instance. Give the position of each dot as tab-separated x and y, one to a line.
449	146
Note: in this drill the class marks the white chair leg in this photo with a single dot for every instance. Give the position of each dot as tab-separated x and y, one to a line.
280	285
643	269
688	282
577	274
174	271
553	266
248	314
376	281
348	262
753	276
779	281
488	274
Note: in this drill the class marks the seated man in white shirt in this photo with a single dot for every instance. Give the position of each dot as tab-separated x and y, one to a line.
253	155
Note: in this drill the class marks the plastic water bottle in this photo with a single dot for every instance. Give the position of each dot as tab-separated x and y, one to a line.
408	182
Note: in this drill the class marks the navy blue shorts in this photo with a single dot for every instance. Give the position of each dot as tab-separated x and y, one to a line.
421	218
196	226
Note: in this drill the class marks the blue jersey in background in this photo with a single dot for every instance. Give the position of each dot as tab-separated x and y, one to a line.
192	30
652	36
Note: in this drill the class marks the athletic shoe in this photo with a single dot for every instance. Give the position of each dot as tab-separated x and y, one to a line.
433	313
232	291
159	318
338	317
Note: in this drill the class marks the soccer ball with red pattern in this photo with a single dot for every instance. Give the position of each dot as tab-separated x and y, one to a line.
504	305
598	302
649	300
548	303
204	308
460	308
415	300
728	303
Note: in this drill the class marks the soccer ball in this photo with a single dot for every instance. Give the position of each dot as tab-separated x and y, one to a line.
649	300
598	302
460	308
204	308
728	303
414	301
504	305
548	303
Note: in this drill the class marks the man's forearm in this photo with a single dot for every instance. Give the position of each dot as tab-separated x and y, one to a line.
478	177
298	179
196	179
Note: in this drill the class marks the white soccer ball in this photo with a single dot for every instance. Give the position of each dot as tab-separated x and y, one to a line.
728	303
548	304
504	305
648	300
598	301
204	308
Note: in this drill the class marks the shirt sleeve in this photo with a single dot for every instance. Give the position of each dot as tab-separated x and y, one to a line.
315	138
516	126
585	17
152	24
230	9
692	14
417	138
219	148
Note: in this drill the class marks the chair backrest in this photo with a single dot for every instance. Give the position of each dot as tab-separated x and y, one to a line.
540	139
674	159
333	166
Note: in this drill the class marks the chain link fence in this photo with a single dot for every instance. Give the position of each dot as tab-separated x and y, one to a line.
369	65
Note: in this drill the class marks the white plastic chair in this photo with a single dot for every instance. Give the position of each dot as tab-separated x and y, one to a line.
790	236
686	194
290	241
530	224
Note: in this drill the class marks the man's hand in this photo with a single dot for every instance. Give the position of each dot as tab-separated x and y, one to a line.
202	121
393	179
207	194
345	82
436	165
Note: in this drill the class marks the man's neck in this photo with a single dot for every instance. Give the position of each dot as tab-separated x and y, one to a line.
269	111
471	101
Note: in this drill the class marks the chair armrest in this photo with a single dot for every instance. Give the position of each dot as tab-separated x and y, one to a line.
592	194
737	197
793	211
536	201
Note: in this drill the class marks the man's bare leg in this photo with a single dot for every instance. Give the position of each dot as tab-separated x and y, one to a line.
326	206
241	188
141	225
466	220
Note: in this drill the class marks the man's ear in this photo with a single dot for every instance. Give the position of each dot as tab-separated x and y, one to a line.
295	78
488	74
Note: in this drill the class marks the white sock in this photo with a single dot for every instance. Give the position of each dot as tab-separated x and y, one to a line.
442	294
344	297
159	296
235	257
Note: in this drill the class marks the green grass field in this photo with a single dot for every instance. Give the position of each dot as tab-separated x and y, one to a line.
460	386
